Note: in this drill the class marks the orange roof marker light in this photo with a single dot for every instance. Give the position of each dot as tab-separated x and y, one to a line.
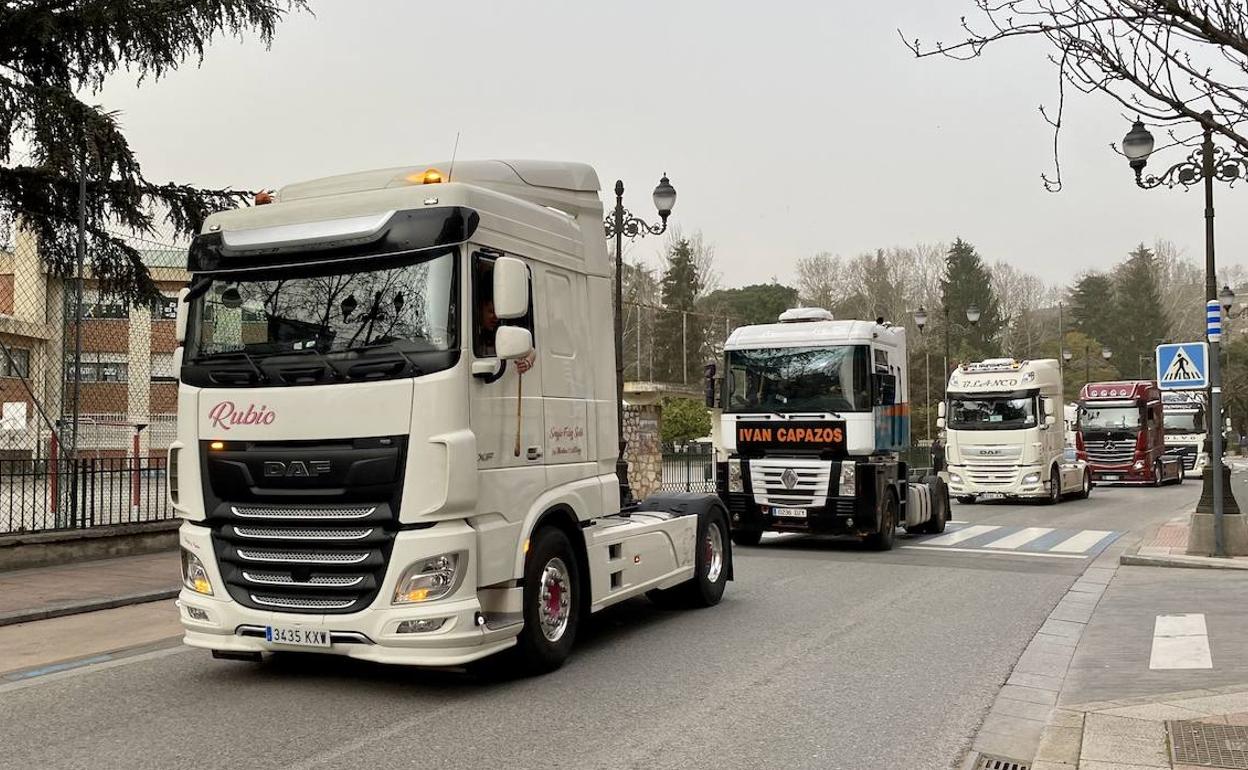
431	176
264	197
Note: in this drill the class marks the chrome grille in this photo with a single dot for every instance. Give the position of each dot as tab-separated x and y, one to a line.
1116	452
304	557
301	603
989	474
286	579
809	482
301	533
302	512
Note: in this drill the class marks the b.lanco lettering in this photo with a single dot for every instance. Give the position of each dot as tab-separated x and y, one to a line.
227	414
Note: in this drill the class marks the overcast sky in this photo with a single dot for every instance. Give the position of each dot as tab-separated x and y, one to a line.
788	128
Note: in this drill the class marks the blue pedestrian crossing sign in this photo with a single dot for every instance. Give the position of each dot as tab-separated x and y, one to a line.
1183	366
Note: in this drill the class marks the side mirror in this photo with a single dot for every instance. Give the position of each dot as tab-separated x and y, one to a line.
179	326
940	411
512	342
708	377
1050	418
885	389
511	289
1050	406
940	422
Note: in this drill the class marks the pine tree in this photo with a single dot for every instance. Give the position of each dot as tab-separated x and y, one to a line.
51	52
1093	307
966	282
678	338
1140	311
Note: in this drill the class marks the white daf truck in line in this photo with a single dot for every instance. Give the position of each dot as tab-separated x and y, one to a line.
811	415
1002	435
397	426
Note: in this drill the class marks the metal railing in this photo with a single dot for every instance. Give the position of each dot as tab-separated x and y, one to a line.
692	469
47	495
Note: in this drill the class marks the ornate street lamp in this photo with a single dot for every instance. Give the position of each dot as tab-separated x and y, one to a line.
1204	165
920	320
621	224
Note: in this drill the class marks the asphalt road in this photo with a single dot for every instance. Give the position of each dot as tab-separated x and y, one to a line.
822	655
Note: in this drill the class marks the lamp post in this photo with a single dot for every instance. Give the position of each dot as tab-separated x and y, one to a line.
1204	165
972	316
920	320
621	224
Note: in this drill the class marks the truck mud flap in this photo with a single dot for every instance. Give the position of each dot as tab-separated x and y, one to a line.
697	504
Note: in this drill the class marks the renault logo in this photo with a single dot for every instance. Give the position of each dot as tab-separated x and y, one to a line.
789	478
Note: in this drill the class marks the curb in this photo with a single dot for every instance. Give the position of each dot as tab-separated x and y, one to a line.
1189	562
91	605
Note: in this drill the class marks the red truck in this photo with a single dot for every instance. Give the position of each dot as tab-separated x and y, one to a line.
1121	434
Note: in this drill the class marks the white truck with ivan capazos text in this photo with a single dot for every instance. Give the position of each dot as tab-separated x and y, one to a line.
811	414
1002	432
397	431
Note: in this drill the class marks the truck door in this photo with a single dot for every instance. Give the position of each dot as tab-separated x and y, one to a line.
565	372
506	406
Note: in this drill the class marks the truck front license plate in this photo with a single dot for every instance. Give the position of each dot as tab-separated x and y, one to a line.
296	637
1110	477
789	513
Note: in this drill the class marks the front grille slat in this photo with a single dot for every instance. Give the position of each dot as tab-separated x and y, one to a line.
301	533
303	557
811	482
301	602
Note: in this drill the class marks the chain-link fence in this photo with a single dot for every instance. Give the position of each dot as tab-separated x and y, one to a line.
671	346
88	394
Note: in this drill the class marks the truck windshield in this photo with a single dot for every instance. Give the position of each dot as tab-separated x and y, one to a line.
334	311
824	379
1004	412
1110	418
1183	422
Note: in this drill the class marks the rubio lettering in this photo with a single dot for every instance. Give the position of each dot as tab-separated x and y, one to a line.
227	414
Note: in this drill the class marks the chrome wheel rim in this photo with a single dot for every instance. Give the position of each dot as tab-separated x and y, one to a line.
713	549
554	600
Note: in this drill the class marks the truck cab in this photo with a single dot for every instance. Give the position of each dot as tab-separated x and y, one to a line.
1005	432
811	415
397	427
1122	434
1183	416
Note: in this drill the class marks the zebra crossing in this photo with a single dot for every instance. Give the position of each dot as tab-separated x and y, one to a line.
987	539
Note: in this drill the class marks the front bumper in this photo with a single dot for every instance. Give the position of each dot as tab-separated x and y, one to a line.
1007	481
371	634
1110	474
838	516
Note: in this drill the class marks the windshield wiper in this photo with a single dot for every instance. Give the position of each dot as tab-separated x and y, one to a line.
199	287
371	346
225	354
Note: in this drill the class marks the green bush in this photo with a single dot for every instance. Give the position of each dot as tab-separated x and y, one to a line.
684	419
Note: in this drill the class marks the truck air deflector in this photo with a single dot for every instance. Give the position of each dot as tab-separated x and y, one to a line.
401	233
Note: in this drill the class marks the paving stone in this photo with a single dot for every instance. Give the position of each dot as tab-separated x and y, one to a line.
1062	628
1121	740
1029	694
1046	664
1060	744
1039	681
1228	703
1095	765
1022	709
1003	745
1001	724
1046	765
1066	718
1158	712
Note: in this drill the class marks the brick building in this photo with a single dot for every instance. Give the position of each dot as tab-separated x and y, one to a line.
125	379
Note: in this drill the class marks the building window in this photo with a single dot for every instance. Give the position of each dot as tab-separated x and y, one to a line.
165	309
162	367
94	370
16	363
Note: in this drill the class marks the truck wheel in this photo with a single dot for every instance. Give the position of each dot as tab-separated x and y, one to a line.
1157	466
1086	489
883	540
1055	487
1182	475
940	502
747	536
712	563
552	603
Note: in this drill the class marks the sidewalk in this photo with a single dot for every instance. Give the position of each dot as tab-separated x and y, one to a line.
49	592
1136	668
1168	548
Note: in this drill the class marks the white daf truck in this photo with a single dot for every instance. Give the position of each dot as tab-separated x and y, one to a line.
1002	435
811	415
397	425
1183	417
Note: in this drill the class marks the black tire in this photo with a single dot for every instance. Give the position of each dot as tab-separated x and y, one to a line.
1182	475
883	540
1055	487
967	499
1157	480
940	501
712	565
747	536
535	651
1086	489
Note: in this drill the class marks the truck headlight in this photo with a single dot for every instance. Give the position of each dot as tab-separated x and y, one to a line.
848	483
1139	465
1031	478
735	482
955	478
194	576
429	579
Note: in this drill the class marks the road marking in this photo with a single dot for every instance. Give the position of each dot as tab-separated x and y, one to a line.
953	538
1180	642
939	549
1020	538
1081	542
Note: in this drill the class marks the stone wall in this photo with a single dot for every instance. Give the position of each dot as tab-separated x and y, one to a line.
644	451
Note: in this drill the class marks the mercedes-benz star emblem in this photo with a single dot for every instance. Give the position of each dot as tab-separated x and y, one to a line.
789	478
